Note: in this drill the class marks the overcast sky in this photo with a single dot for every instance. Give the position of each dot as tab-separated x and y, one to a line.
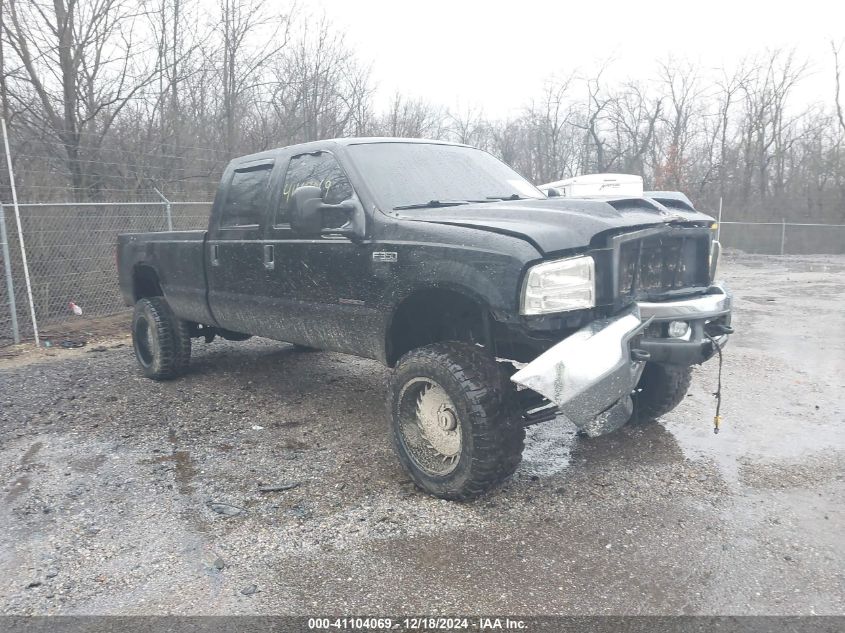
496	54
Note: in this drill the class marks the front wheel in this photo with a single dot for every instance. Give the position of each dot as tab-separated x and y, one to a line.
661	388
162	341
453	425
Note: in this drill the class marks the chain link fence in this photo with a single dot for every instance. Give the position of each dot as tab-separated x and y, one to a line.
70	246
783	238
70	252
11	282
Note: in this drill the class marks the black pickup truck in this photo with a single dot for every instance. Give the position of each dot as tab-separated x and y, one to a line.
495	304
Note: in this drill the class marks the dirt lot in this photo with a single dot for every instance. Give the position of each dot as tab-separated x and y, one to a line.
125	496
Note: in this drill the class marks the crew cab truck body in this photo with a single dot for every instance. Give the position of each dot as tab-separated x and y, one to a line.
495	304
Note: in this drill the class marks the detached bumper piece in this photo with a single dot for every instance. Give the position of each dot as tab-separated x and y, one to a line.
591	374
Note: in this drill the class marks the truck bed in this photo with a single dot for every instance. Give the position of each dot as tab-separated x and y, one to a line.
179	259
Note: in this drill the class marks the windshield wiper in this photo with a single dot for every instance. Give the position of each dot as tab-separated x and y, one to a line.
431	204
513	196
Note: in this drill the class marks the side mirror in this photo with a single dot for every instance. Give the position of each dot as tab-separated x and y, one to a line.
304	210
311	217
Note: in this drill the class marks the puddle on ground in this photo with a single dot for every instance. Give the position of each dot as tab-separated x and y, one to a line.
754	299
185	470
548	447
18	487
554	447
750	435
699	442
30	454
22	483
88	464
763	422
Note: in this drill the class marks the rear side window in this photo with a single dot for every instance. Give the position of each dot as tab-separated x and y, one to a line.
319	170
246	199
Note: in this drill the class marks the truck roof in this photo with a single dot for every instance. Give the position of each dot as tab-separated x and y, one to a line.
327	144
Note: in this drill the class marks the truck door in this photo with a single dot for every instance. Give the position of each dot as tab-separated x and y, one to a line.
320	290
234	251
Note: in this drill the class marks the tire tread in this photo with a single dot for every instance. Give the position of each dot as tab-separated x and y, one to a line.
661	388
173	336
498	438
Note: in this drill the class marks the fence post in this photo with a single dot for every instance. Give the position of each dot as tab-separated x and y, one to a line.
20	233
782	236
167	210
10	285
719	221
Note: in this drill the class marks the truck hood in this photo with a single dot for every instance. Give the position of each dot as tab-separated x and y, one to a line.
556	224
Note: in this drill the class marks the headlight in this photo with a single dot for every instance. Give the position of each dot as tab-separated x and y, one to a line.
567	284
715	252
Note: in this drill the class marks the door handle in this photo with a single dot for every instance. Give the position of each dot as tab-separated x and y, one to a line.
215	254
269	257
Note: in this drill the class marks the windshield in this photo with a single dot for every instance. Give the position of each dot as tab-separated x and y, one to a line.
429	175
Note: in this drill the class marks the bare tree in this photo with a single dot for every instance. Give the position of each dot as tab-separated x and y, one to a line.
4	99
412	118
684	90
634	116
548	121
81	61
729	86
321	90
767	119
467	124
595	111
108	99
838	92
250	35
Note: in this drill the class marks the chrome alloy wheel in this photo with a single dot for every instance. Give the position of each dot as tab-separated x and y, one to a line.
430	426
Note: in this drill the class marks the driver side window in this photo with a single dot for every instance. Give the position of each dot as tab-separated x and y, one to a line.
319	169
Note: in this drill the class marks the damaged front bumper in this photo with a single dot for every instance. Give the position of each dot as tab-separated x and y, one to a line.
590	375
709	320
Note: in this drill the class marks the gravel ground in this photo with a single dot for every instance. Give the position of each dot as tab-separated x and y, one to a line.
125	496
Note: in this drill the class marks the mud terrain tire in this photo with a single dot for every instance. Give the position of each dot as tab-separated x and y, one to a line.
485	447
161	340
661	388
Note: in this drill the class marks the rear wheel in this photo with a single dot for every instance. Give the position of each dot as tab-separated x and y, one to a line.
661	388
161	340
454	429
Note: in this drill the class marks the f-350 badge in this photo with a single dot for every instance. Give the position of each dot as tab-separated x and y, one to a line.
389	257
